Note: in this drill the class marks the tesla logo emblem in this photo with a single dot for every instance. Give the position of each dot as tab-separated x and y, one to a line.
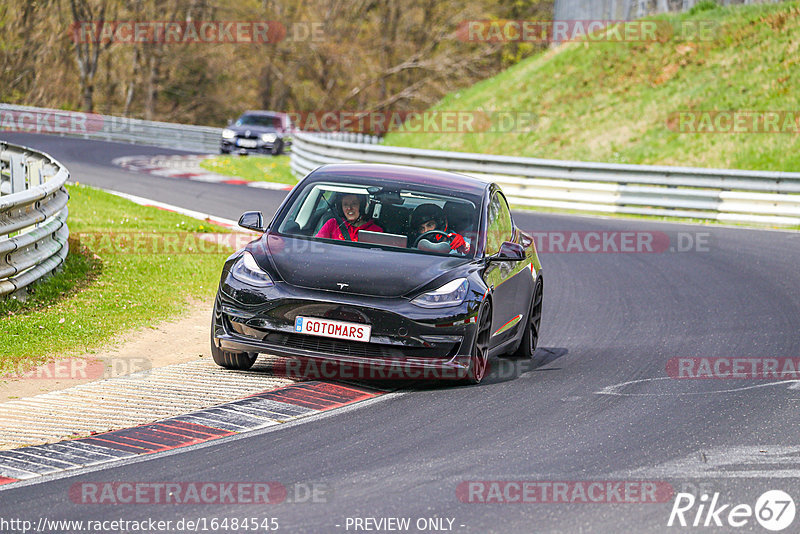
247	133
342	286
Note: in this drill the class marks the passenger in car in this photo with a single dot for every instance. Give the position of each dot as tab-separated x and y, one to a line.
352	216
428	218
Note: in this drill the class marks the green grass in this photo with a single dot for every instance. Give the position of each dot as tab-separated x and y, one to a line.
79	269
612	102
253	168
112	285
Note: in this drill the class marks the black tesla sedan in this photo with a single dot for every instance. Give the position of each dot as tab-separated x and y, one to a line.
414	272
264	132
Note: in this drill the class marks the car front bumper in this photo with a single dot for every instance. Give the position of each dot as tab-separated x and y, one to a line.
260	147
409	341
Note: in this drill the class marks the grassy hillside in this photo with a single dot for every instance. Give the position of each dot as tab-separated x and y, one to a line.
612	101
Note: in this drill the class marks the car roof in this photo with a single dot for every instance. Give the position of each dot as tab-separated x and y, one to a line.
407	175
264	112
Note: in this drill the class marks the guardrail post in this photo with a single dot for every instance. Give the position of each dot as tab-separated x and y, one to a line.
17	171
35	175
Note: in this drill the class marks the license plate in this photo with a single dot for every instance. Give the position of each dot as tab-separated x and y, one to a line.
247	143
335	329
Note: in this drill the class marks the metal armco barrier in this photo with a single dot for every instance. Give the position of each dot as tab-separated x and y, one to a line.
725	195
109	128
33	215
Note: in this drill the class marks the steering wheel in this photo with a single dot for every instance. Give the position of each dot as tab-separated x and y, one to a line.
432	233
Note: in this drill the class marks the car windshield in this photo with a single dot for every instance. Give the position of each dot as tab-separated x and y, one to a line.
389	216
265	121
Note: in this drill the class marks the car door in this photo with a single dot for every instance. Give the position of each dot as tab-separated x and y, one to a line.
510	280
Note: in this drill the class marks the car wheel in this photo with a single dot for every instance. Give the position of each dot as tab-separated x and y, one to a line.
224	151
240	361
479	354
530	338
277	148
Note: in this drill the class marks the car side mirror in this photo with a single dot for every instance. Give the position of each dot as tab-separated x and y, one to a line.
509	252
252	220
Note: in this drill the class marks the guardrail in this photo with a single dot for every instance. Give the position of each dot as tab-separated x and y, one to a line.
33	216
109	128
684	192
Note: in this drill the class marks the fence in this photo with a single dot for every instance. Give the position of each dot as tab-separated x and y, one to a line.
33	216
684	192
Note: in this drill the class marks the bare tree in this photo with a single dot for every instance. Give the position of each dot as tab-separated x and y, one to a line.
88	48
372	55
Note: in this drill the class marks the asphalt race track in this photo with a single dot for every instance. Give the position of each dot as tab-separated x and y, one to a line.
597	404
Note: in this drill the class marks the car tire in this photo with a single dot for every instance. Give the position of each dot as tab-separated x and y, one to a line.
530	338
240	361
277	148
479	352
223	151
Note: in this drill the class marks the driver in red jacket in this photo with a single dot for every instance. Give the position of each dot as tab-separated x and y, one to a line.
353	207
430	217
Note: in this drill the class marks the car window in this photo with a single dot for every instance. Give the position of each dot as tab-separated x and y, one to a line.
266	121
389	208
500	227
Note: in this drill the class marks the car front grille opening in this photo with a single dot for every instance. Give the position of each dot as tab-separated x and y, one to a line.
359	349
343	347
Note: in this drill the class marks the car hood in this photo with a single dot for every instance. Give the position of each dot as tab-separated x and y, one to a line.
366	271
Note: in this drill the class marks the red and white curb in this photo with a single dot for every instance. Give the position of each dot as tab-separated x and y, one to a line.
139	397
187	167
257	411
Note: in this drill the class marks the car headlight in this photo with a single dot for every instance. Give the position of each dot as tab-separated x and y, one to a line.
268	137
450	294
228	134
247	270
